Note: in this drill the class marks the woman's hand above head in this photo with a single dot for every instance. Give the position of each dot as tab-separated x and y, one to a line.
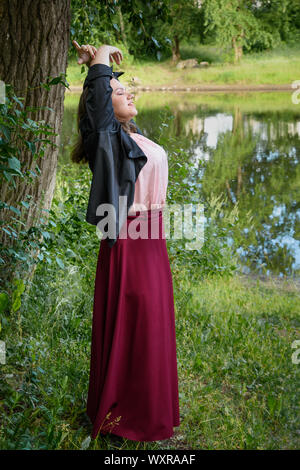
86	53
115	54
106	54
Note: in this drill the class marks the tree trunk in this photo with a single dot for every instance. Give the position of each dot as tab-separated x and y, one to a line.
229	191
238	50
34	38
178	123
175	49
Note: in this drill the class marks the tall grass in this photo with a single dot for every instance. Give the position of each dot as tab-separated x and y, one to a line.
237	383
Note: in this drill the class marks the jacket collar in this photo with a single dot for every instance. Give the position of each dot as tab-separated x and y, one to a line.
131	147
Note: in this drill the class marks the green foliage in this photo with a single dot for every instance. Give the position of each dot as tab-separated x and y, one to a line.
19	288
186	19
22	246
148	29
234	22
143	27
133	23
281	18
253	25
91	22
19	133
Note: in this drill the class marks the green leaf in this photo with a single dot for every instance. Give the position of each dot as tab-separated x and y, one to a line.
18	100
14	164
46	234
45	85
6	231
19	286
59	262
155	42
4	299
31	146
55	81
32	123
8	177
6	131
16	304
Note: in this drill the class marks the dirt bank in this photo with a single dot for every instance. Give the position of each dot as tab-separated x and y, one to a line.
204	88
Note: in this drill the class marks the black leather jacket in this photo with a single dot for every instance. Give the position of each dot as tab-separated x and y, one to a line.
114	157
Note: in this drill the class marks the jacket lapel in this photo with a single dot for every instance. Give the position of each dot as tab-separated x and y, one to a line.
131	147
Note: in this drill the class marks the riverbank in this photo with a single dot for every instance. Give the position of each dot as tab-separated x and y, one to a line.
203	88
274	70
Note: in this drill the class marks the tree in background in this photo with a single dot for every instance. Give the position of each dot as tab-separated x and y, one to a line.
281	18
235	25
185	22
156	28
177	20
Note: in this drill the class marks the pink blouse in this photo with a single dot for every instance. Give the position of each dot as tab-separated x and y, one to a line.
152	182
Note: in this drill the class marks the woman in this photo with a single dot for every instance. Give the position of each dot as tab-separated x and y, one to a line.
133	385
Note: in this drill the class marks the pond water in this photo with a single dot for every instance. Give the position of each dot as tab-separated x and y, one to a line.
246	148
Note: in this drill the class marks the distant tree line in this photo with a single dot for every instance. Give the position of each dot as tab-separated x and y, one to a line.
156	28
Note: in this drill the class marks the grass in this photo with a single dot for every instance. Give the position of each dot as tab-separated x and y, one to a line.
278	66
237	382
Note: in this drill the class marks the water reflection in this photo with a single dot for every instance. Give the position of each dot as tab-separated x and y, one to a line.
244	148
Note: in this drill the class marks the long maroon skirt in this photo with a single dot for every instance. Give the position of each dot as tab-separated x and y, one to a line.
133	385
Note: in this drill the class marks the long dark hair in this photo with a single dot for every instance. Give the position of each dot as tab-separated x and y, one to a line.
78	154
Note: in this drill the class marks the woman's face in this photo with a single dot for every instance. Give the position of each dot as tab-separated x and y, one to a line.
122	101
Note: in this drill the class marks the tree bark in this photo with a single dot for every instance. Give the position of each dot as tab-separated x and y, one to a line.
238	50
229	191
34	38
175	49
178	123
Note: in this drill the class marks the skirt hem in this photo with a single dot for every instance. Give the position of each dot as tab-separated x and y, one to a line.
134	437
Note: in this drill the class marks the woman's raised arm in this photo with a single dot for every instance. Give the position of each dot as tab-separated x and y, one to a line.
98	102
